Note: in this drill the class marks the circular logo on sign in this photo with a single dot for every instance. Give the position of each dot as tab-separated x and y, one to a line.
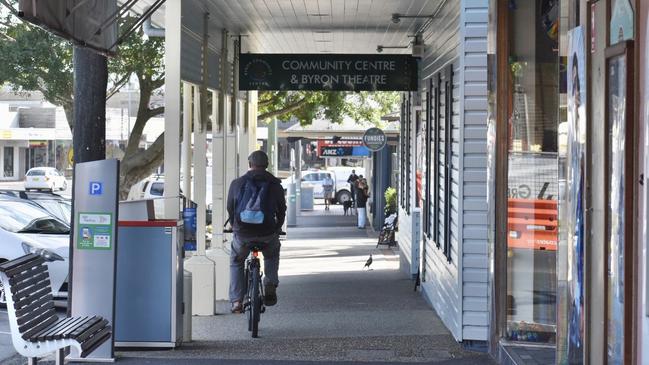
258	71
374	139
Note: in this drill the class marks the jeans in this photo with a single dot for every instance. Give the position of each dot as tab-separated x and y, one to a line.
361	217
238	254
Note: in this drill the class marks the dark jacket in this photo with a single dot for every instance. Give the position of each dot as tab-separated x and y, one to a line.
275	202
361	198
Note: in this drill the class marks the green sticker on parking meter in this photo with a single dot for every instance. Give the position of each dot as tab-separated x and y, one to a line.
94	231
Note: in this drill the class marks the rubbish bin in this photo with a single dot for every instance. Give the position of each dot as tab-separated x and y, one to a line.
187	306
306	198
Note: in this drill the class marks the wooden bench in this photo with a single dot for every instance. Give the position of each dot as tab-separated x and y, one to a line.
36	329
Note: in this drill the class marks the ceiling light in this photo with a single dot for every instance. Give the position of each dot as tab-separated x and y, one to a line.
318	14
323	41
396	18
380	48
322	31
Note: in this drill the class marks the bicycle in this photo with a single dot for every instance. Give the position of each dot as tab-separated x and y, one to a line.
253	301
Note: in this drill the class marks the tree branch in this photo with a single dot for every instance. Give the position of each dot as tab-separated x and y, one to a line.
287	109
140	159
118	85
156	111
266	102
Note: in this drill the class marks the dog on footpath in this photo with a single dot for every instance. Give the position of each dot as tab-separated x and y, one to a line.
347	206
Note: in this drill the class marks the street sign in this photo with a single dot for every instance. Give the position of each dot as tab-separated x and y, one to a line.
374	139
92	259
96	188
315	72
343	151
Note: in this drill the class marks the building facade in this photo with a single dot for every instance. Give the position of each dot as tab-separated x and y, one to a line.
442	207
523	198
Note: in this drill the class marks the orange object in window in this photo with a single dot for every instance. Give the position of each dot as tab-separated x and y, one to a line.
532	224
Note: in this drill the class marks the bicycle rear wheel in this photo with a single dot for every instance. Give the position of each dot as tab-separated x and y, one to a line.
255	302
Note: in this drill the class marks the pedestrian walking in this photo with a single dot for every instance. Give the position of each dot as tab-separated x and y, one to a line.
327	189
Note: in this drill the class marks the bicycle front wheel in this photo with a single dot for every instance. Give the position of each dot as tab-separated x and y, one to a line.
255	302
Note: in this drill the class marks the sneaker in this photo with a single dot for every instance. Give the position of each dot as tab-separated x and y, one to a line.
270	295
237	308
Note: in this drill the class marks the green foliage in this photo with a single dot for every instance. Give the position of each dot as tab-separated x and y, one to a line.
390	200
32	59
332	105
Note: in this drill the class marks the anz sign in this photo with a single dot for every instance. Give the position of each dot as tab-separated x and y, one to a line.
344	151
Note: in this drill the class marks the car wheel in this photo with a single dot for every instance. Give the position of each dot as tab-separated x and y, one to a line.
343	196
65	186
3	298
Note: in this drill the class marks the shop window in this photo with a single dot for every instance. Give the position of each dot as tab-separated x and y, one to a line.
532	182
427	160
448	158
402	155
408	153
8	160
435	160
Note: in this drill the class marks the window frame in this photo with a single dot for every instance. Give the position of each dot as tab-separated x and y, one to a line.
448	158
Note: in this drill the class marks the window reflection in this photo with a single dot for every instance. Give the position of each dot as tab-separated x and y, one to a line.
532	209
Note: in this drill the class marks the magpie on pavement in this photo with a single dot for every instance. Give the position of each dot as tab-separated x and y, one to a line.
368	262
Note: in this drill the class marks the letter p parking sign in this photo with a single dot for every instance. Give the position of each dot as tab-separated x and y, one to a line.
96	188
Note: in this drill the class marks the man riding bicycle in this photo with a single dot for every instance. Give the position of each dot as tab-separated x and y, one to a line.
270	209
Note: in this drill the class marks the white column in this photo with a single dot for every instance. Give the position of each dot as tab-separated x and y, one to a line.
218	213
187	140
172	109
200	167
201	266
252	121
244	138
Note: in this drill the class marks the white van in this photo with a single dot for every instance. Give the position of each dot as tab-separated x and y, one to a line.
314	178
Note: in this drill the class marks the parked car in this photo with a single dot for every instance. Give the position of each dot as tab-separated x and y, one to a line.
154	187
57	205
342	173
26	228
315	178
45	178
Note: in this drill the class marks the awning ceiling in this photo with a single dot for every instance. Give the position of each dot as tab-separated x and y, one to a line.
313	26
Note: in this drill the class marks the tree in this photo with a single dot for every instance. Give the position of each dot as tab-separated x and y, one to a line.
306	106
32	59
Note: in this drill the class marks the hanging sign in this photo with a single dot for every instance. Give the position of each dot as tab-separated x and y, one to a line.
315	72
374	139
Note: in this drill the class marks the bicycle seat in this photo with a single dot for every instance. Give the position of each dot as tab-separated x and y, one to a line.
255	246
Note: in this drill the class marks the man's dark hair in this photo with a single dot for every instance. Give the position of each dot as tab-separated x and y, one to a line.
258	159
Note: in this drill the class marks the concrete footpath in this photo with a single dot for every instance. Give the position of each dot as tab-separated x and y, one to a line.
330	310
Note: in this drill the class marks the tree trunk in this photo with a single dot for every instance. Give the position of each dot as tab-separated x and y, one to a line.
90	82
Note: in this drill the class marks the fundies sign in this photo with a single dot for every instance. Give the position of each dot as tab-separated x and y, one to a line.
311	72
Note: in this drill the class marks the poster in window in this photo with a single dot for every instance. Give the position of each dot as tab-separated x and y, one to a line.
617	114
574	194
420	158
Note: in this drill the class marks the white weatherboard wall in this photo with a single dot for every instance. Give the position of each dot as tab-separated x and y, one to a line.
456	288
473	62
